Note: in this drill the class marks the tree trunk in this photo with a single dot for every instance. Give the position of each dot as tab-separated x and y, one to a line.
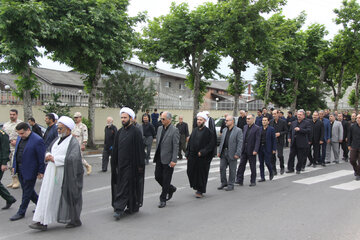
195	67
296	87
92	98
356	103
237	85
321	80
337	97
27	95
267	88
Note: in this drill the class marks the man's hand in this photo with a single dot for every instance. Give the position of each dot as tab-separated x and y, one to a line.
13	142
40	176
297	129
49	158
218	154
328	141
236	157
172	164
273	152
340	141
254	153
199	154
289	140
187	139
321	142
4	168
349	147
82	147
277	134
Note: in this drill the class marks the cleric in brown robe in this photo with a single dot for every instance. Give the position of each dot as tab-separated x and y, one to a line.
127	167
199	154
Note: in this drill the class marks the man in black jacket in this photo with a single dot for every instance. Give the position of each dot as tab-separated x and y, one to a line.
354	147
242	120
317	137
344	143
280	133
35	127
184	136
299	138
110	132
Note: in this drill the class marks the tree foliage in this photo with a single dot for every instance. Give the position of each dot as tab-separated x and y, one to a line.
128	90
55	105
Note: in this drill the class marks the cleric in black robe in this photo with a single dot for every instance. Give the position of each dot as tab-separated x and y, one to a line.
199	154
127	167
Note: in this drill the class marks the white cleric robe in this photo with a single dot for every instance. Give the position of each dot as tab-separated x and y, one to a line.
47	207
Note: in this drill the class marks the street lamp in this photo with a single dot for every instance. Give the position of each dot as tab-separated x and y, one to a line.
7	89
180	97
216	106
80	92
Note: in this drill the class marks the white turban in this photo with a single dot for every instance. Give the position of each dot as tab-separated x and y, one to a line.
203	115
206	112
68	122
55	116
128	111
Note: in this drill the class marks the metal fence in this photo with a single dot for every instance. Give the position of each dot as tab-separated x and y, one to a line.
229	105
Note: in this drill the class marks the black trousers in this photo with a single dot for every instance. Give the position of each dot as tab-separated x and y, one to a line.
28	194
242	165
163	175
301	154
344	146
355	160
105	159
182	145
280	155
314	155
4	193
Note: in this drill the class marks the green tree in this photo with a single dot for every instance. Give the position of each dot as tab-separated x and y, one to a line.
21	26
349	16
122	89
242	36
55	105
185	39
92	36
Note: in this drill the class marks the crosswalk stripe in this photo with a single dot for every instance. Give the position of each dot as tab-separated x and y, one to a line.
349	186
324	177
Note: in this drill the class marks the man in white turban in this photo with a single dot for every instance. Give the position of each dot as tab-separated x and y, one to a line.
199	154
127	167
60	196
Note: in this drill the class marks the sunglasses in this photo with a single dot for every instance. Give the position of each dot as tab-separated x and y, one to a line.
162	119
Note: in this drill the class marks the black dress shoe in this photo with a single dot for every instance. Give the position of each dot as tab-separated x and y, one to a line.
275	173
229	188
162	204
170	194
221	187
72	225
38	226
298	172
271	177
327	162
239	183
323	164
17	217
252	185
289	171
261	180
282	171
118	214
303	169
314	165
8	205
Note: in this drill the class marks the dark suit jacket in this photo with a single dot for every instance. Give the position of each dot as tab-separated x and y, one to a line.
253	142
280	127
301	137
270	139
33	158
346	128
318	132
241	122
169	144
36	129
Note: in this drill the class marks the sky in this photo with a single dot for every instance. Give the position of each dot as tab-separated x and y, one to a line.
318	11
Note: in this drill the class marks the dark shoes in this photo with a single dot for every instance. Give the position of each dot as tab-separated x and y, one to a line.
289	171
357	178
229	188
73	225
298	172
239	183
336	162
170	194
261	180
282	171
221	187
271	177
323	164
38	226
118	214
17	217
198	194
309	165
8	204
162	204
252	185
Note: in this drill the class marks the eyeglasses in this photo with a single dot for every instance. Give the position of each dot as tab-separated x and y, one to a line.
60	128
162	119
248	118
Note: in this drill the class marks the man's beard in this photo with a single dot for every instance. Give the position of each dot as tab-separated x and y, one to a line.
125	124
201	125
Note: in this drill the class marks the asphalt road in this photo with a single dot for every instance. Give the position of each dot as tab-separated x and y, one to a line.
320	203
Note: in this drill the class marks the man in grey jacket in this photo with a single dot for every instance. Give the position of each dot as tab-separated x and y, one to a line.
229	152
336	136
167	146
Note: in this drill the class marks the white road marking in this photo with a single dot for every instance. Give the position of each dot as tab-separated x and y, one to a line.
349	186
324	177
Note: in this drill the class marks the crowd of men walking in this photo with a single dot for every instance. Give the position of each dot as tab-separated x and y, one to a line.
57	155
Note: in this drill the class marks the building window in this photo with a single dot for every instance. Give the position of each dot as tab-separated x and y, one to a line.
168	84
182	86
